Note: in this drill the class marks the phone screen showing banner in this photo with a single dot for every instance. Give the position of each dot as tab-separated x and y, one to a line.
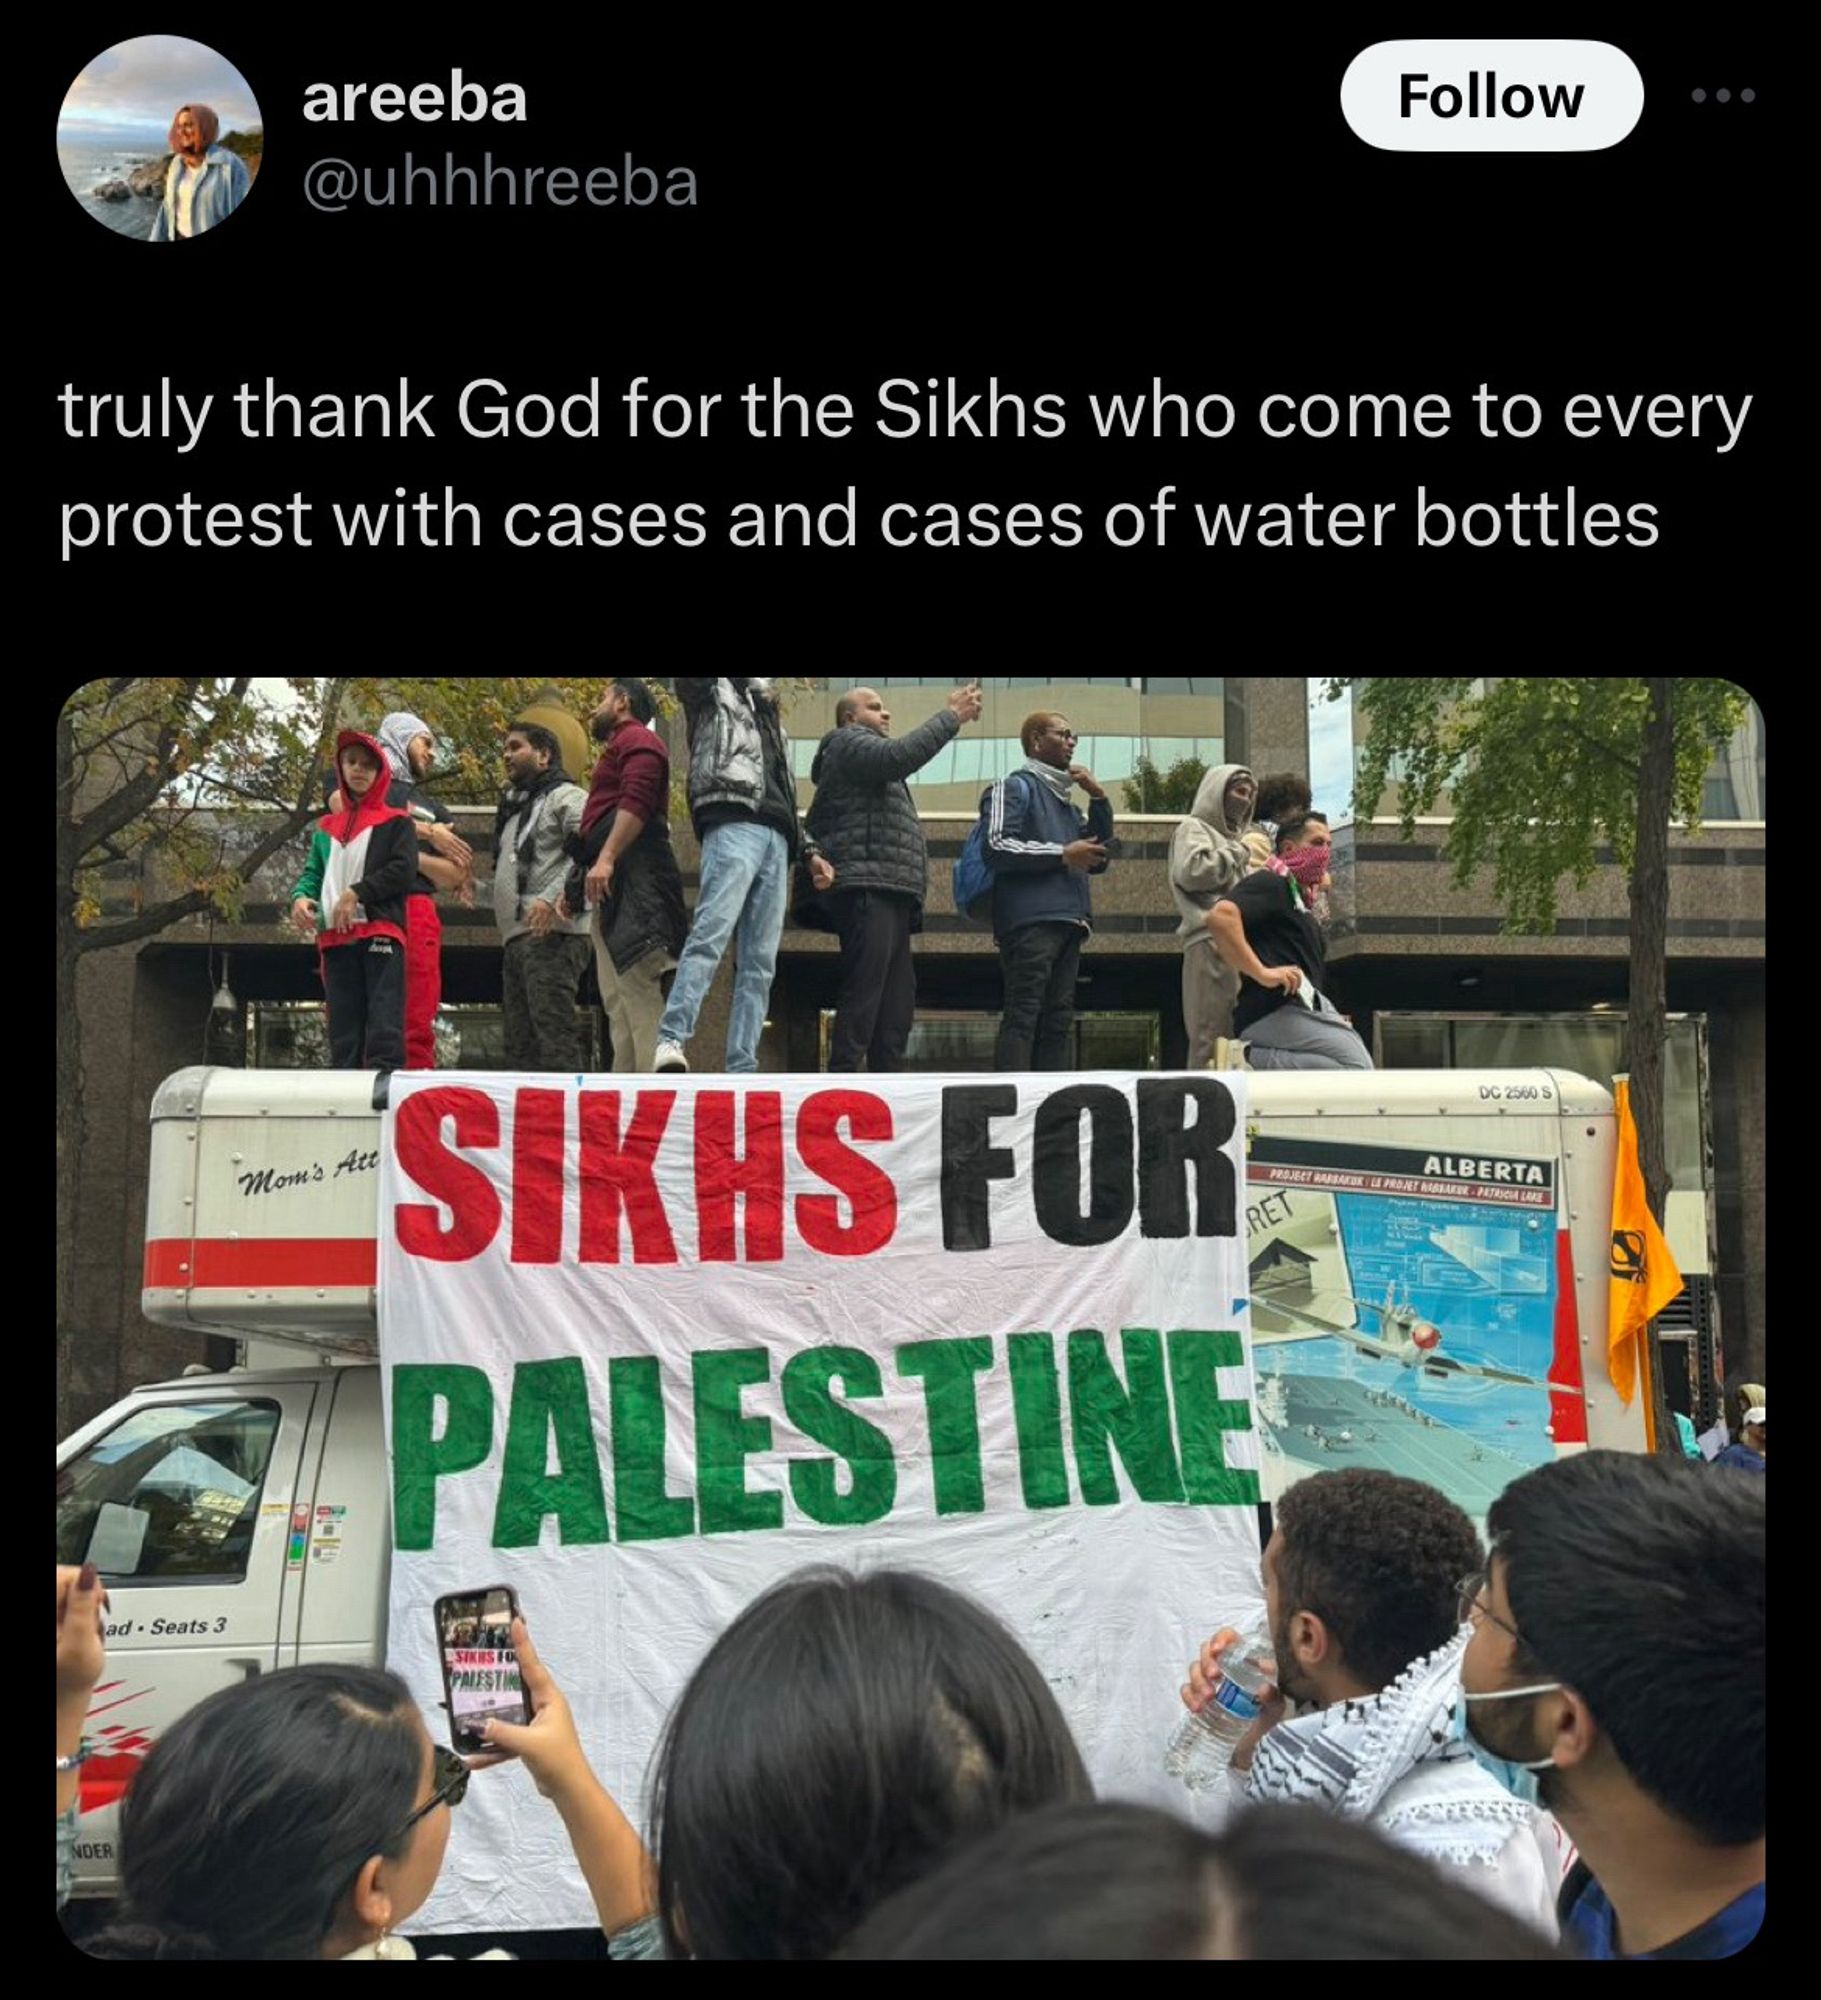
651	1346
480	1667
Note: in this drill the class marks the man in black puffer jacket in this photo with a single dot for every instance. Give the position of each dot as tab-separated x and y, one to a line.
865	821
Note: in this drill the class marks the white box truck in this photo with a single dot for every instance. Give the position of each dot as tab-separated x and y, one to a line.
1428	1254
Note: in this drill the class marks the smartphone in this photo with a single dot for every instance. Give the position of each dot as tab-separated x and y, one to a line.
480	1664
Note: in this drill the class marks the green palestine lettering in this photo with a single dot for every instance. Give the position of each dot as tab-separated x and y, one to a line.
872	1482
1134	1416
549	1407
426	1448
642	1508
725	1438
1151	1424
947	1369
1037	1408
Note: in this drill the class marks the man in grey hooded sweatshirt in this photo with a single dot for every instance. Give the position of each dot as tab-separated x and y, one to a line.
1207	858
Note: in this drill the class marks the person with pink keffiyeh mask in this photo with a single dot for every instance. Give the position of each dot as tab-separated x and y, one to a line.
1268	930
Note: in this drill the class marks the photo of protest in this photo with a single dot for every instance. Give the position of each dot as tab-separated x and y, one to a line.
1065	1339
480	1668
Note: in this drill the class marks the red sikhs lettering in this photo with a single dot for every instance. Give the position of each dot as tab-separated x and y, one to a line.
738	1174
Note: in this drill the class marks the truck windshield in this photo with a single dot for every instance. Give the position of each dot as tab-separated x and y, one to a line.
171	1492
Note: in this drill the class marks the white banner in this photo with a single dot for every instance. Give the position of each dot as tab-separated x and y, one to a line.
650	1345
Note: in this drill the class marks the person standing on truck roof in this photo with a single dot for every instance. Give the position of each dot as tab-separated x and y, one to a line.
352	895
445	861
1616	1674
623	868
743	804
865	821
1042	848
1267	931
546	952
1207	858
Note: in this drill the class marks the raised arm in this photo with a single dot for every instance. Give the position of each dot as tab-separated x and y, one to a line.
613	1859
882	760
1201	863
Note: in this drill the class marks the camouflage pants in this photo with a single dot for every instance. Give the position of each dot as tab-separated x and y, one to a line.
540	980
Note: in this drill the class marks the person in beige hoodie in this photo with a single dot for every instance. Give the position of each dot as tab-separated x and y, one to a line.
1208	857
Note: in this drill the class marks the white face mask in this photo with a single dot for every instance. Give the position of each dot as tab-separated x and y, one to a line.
1520	1780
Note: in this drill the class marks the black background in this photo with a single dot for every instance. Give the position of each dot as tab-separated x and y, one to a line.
1071	205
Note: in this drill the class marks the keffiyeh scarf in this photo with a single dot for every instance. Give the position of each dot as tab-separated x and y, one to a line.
1350	1758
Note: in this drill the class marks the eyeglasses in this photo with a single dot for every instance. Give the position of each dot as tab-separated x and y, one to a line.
1471	1606
451	1775
1067	735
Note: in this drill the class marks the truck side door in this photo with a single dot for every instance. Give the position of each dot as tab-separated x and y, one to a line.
338	1598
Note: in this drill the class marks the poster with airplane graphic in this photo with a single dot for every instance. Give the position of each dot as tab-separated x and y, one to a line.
1404	1312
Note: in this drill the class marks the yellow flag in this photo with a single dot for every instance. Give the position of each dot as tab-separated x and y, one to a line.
1644	1275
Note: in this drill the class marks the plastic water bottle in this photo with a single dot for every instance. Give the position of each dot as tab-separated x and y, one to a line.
1204	1742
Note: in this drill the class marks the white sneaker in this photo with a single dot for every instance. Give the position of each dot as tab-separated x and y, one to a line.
669	1059
1229	1053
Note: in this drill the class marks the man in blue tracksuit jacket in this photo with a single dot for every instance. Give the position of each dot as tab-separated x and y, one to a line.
1042	849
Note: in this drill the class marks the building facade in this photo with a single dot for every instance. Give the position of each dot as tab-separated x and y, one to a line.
1424	968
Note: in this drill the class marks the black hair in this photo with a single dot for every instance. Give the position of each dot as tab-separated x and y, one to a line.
639	700
540	739
255	1811
1670	1659
1115	1881
840	1735
1290	828
1379	1560
1309	1885
1282	795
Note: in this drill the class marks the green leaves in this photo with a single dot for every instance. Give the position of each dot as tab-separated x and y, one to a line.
1150	790
1539	772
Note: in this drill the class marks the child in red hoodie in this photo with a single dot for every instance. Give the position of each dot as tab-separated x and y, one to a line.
351	893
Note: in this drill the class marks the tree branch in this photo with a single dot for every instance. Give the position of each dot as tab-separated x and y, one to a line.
137	794
1625	764
160	916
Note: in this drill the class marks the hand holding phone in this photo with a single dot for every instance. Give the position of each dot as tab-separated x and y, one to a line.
548	1745
481	1680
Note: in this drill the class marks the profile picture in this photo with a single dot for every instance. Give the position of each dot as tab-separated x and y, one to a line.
160	139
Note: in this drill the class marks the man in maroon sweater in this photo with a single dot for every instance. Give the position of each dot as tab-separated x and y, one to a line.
626	870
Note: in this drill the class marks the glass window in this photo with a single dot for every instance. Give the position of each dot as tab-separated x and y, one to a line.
1208	689
173	1491
1412	1044
1734	785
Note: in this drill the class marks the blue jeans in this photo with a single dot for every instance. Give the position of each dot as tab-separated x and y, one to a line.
745	886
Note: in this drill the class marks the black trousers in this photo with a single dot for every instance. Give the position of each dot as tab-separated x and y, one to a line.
878	998
364	981
1037	1029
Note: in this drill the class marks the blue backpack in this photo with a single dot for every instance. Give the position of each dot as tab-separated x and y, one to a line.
973	880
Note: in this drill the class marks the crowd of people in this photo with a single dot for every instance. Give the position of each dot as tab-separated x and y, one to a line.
586	875
1551	1750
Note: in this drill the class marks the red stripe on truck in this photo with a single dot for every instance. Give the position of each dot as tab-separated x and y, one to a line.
1567	1407
280	1262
